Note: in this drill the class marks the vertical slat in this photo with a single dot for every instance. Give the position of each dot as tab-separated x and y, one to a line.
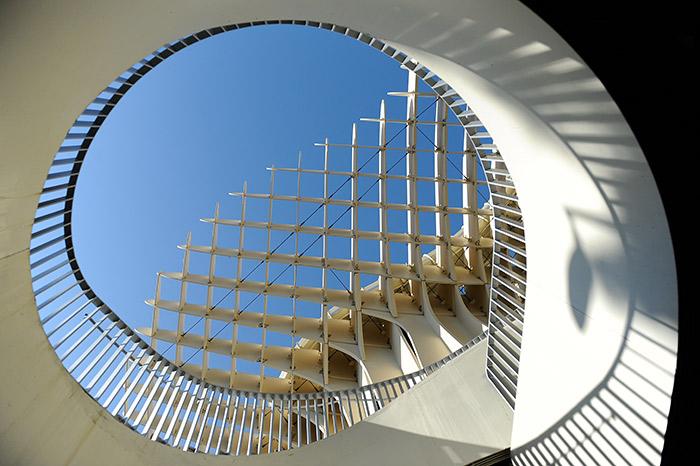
324	408
279	428
366	402
442	218
53	298
234	420
385	282
324	273
224	418
331	400
50	270
385	386
199	398
129	410
355	286
236	292
272	423
169	371
308	422
156	314
376	403
61	308
183	396
351	417
375	396
289	423
80	340
210	294
183	300
100	355
399	383
470	197
295	273
414	254
241	431
215	419
116	389
392	382
175	390
47	258
186	415
205	418
50	333
251	429
263	335
89	350
340	411
318	429
115	372
298	423
261	424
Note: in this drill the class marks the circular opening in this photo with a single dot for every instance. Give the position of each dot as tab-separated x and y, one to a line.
219	114
116	367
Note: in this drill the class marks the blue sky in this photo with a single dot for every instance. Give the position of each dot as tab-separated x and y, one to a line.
209	118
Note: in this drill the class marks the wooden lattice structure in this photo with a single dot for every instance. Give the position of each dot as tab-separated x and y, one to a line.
412	314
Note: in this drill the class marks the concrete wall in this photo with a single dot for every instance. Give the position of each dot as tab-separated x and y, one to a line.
600	336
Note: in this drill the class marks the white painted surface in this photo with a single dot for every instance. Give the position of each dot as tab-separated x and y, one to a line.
600	335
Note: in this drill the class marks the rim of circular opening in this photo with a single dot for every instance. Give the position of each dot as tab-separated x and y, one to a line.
443	90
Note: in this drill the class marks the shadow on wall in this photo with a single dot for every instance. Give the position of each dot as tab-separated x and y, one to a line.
623	420
580	277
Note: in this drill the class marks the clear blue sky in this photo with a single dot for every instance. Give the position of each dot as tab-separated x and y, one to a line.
204	121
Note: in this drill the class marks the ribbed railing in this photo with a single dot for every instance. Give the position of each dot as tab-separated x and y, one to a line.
161	401
508	280
157	399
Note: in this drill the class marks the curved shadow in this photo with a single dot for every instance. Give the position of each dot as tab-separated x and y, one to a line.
580	278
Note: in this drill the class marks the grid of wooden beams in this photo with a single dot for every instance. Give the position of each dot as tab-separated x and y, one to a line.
420	303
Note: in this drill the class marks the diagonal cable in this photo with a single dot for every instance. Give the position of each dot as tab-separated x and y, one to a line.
450	161
308	217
